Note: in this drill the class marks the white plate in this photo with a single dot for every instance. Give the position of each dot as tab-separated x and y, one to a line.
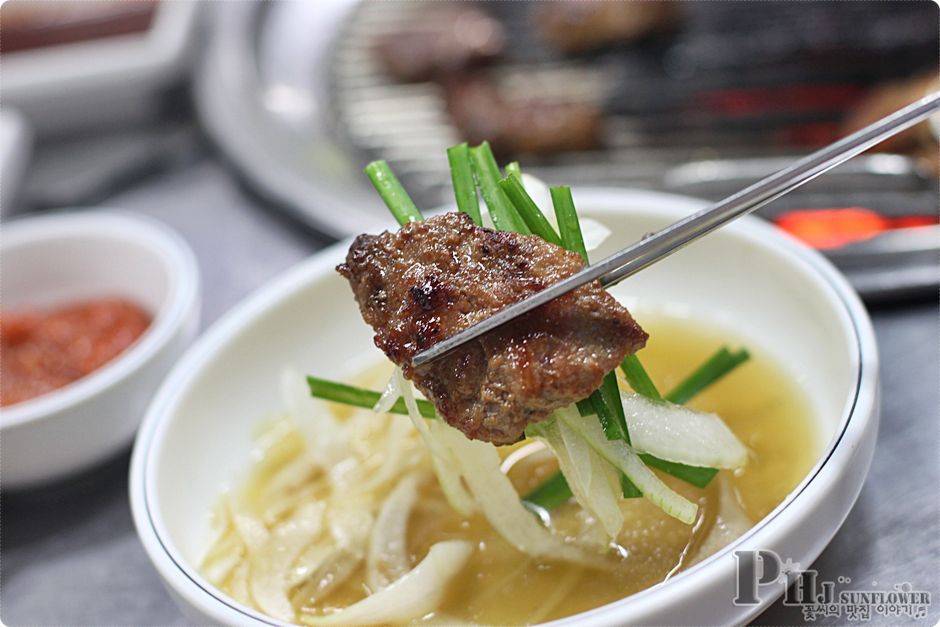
774	293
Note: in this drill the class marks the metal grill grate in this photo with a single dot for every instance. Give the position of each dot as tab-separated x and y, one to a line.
408	124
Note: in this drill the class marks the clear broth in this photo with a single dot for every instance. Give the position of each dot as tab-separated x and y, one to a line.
500	585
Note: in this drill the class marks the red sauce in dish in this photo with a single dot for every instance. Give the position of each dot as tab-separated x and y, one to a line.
41	351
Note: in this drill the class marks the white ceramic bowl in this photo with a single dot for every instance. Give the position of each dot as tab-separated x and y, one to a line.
774	293
62	258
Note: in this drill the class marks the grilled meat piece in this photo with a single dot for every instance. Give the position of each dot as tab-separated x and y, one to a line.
520	126
441	41
575	26
434	278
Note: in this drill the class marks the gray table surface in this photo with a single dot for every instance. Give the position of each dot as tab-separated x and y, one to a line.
69	553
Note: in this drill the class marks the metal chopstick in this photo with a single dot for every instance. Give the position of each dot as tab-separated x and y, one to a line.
663	243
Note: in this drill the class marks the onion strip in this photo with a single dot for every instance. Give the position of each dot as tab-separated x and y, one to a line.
270	566
627	461
479	465
680	434
598	495
441	457
415	594
321	431
387	559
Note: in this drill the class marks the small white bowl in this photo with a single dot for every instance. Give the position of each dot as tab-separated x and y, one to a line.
771	292
57	259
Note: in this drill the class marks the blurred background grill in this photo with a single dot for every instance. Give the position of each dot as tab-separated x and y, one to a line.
736	83
698	98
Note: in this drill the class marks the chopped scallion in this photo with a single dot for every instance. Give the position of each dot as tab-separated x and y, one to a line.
461	173
638	378
716	367
609	408
526	207
569	226
390	189
696	475
605	400
553	492
487	176
629	490
359	397
585	407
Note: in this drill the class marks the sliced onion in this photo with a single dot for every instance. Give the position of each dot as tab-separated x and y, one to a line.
391	394
594	233
351	523
602	503
415	594
316	423
578	453
540	193
395	463
479	465
627	461
441	456
309	562
387	559
601	496
251	529
218	570
238	584
679	434
270	566
333	572
730	524
293	475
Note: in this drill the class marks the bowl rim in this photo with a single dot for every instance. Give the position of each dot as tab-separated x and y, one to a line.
861	405
143	232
